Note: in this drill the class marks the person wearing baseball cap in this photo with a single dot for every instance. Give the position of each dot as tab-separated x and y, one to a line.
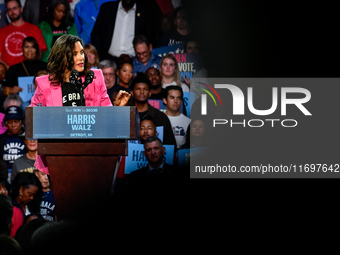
12	145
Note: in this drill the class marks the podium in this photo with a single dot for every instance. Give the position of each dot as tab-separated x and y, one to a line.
81	146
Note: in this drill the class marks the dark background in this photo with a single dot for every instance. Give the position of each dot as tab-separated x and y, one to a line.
265	39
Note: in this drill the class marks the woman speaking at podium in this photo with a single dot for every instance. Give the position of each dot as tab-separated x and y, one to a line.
69	82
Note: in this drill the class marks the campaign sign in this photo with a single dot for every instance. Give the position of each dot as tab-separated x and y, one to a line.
81	122
158	104
188	100
160	132
162	51
26	83
136	159
3	18
188	64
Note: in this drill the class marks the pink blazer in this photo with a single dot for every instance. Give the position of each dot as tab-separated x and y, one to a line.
51	95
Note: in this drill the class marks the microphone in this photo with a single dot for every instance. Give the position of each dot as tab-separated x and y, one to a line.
88	79
79	85
74	77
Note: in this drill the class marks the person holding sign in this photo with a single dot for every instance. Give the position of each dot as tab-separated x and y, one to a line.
67	56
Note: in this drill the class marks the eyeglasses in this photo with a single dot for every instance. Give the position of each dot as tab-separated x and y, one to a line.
13	122
144	53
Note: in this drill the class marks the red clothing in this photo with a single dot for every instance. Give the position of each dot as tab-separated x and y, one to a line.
11	38
17	219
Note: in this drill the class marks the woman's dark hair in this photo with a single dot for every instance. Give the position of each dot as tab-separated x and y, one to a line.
67	20
4	183
25	180
31	39
61	57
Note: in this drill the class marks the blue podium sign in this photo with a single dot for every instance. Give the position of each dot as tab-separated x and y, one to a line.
80	122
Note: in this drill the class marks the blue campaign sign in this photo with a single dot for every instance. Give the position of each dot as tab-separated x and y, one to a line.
81	122
136	159
158	104
3	18
188	64
188	100
26	83
160	132
183	157
176	48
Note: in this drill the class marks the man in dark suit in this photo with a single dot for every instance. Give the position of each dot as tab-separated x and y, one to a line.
157	176
111	39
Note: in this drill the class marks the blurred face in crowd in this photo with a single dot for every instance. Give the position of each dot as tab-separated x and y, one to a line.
180	20
13	10
154	76
2	72
27	194
141	92
128	4
147	129
90	57
197	128
29	52
78	57
125	74
31	145
173	100
59	12
109	77
154	153
166	23
14	126
143	52
191	47
168	67
43	178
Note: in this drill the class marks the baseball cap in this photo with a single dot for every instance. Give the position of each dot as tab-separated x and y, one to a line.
14	113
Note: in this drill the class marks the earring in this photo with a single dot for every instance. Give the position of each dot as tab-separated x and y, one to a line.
20	195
